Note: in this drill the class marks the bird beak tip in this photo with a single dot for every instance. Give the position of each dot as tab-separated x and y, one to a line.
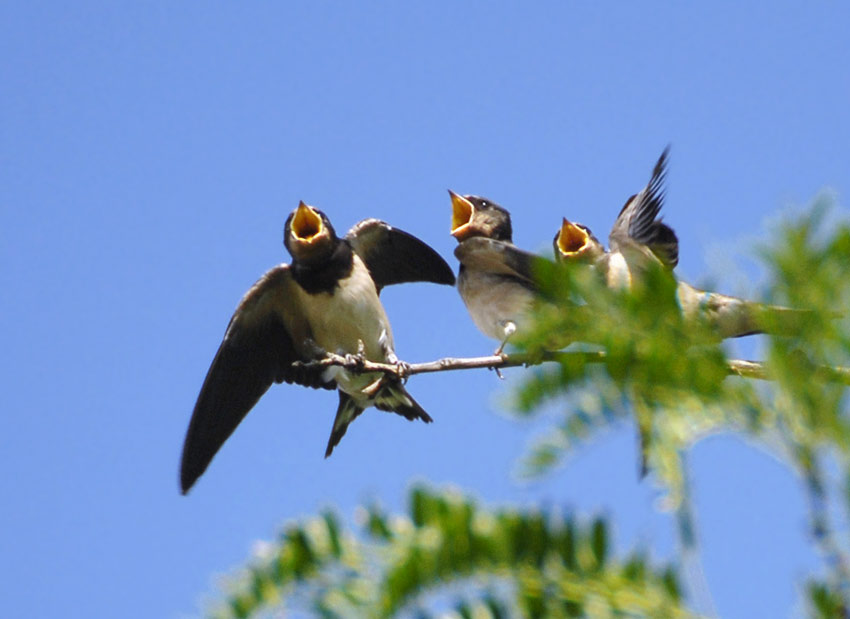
571	239
306	225
462	212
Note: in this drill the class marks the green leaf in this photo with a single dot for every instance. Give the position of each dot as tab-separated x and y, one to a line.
599	542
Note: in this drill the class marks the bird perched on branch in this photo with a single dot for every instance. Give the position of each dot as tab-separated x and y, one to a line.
326	300
496	279
640	240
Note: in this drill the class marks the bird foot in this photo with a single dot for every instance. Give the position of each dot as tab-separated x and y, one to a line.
402	368
504	358
355	361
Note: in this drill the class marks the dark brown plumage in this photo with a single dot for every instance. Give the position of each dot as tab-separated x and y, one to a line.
326	300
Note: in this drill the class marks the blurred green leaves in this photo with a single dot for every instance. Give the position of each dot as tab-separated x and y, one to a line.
510	563
667	372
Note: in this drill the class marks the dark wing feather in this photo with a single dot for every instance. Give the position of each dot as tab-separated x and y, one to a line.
258	349
665	245
637	221
500	258
394	256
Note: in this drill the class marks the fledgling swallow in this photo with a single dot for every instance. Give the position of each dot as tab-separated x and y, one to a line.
639	239
496	278
576	243
326	300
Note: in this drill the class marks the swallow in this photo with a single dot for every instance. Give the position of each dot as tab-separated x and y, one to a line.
639	239
325	300
496	279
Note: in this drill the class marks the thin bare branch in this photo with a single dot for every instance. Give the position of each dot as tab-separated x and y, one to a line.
736	367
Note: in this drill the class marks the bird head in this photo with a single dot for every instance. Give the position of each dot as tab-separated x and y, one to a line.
308	234
476	216
576	243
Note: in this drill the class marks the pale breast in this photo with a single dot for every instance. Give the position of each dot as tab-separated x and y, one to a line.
492	300
618	274
351	313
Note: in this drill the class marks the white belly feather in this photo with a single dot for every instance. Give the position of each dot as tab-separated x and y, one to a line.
618	275
339	321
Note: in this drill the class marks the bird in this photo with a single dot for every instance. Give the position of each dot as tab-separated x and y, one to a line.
325	300
496	279
639	240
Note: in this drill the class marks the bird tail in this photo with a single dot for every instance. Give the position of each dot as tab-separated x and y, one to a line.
733	317
346	412
394	398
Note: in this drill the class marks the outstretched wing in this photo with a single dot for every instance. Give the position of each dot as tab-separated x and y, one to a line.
638	223
264	337
500	258
394	256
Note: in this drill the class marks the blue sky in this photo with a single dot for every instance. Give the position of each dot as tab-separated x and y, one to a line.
149	155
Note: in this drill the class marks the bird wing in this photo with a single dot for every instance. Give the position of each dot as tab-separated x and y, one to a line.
638	223
499	258
394	256
264	336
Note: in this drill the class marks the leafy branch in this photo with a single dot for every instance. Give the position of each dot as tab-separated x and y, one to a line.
558	566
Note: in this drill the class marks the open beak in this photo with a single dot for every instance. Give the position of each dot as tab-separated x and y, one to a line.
462	212
307	225
571	239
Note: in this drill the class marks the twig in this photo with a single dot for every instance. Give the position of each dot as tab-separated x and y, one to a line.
358	365
757	370
736	367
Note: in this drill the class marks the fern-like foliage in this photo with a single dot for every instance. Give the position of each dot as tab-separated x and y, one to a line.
450	551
